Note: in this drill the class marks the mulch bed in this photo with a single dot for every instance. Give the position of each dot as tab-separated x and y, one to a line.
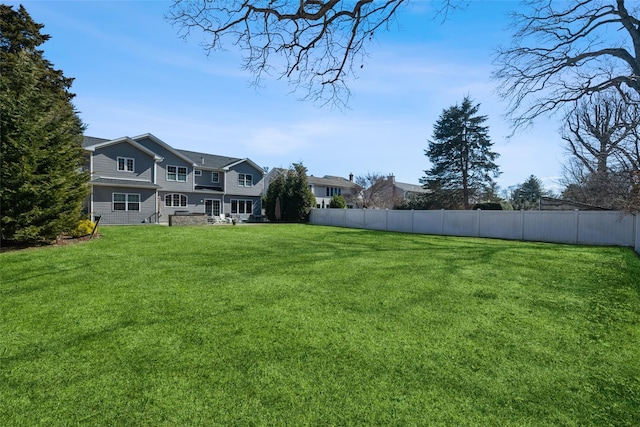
60	241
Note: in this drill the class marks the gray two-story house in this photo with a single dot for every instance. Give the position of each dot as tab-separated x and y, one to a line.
144	180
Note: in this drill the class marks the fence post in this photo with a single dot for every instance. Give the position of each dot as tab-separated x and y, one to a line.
636	232
413	220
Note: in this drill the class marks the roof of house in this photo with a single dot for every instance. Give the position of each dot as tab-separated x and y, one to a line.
552	203
331	181
92	140
203	160
412	188
209	160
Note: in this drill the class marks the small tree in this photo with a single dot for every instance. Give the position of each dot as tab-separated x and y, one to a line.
41	186
463	163
337	202
526	195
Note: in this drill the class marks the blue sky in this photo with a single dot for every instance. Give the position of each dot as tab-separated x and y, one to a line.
134	75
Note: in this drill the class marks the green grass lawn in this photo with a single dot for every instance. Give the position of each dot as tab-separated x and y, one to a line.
307	325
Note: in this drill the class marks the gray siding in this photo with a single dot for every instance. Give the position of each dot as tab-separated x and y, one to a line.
205	178
105	162
103	206
231	181
170	159
256	203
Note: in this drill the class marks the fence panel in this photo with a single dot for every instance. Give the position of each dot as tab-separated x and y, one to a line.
460	223
401	221
605	228
428	222
501	224
581	227
375	219
550	226
354	218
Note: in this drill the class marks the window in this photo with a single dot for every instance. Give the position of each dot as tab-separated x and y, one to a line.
197	172
334	191
245	180
126	202
126	164
175	200
215	177
177	173
241	206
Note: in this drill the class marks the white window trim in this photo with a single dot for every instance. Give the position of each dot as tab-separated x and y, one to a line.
238	205
186	200
333	191
244	179
197	172
126	202
217	177
177	173
125	159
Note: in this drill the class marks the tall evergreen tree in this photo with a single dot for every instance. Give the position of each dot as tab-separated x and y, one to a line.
41	186
463	163
290	192
273	198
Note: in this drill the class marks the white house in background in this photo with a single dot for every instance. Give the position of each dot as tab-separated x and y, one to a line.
328	186
325	188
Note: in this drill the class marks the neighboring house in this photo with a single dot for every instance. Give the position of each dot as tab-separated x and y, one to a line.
144	180
387	193
553	204
325	188
328	186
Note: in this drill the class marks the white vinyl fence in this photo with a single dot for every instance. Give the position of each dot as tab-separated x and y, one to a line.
574	227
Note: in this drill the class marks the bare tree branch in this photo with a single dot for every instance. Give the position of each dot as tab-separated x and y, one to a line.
562	52
315	44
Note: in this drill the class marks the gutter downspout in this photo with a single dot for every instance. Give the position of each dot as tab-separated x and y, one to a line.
224	189
91	213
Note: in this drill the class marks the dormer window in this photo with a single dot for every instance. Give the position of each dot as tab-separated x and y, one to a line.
126	164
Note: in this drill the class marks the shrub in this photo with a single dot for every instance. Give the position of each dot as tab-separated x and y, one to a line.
338	202
84	228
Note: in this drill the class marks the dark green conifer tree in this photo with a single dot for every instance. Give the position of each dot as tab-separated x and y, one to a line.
289	197
463	163
42	187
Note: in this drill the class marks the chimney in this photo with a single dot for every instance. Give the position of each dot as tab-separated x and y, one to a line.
351	177
391	179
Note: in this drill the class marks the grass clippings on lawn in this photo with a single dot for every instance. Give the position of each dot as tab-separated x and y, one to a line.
306	325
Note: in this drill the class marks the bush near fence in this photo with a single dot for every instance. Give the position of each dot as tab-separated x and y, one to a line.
611	228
